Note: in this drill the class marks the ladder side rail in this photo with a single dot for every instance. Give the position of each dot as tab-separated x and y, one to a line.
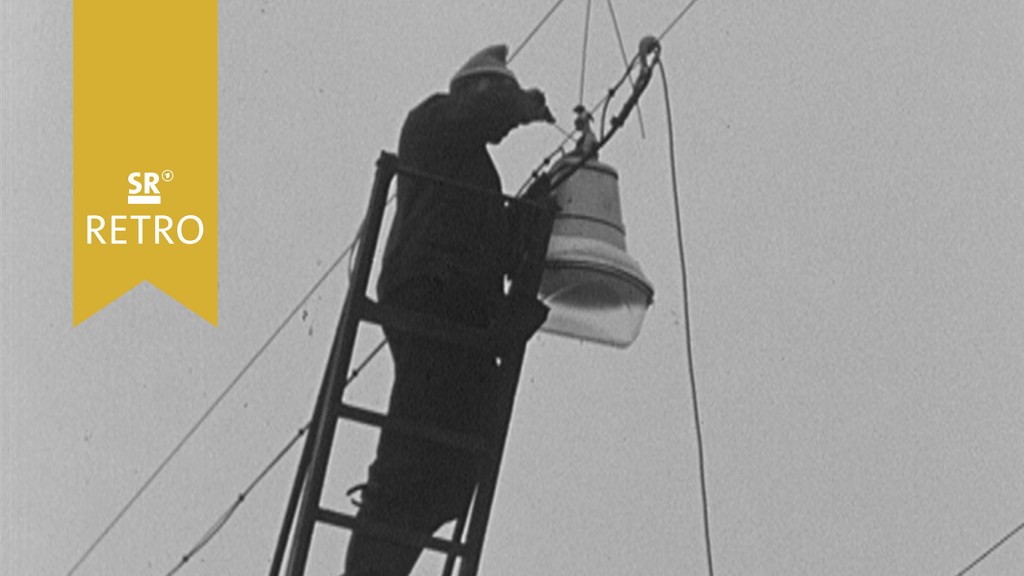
325	421
299	483
525	284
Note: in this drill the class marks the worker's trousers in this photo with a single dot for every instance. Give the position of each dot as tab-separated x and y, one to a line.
416	484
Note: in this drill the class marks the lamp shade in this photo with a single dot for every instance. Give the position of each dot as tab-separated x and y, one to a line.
595	290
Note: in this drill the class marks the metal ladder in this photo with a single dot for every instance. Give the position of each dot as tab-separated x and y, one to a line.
304	508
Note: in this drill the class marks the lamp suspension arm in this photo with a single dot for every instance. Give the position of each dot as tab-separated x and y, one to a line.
649	46
649	55
538	185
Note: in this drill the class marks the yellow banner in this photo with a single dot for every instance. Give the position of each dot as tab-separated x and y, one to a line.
145	152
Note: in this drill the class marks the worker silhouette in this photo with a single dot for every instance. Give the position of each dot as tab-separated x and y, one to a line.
447	254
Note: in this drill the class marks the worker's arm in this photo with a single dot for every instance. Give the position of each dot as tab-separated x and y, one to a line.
493	110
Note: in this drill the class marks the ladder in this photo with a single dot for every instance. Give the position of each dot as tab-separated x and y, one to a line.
304	510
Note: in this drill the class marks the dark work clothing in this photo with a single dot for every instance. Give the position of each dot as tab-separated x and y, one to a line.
445	256
445	231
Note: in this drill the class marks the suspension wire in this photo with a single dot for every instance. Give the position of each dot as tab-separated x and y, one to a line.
534	31
991	549
570	135
222	520
216	402
586	40
677	19
618	84
608	95
637	59
686	324
560	148
625	61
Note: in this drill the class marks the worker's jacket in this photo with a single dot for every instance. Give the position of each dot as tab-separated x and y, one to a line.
454	232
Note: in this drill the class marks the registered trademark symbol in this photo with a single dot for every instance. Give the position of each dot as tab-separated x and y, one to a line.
167	175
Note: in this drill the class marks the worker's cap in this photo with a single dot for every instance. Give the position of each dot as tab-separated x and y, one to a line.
490	60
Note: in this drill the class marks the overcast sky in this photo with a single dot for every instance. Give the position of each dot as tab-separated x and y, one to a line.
852	176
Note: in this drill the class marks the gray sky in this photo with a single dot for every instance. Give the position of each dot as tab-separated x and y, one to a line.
853	192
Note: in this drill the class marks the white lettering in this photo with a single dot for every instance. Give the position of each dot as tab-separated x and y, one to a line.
114	229
90	230
139	219
198	222
151	179
133	179
162	230
163	227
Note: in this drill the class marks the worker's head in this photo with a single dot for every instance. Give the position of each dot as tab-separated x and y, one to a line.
486	76
487	66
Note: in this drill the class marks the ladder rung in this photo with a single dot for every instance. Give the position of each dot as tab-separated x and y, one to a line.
430	326
466	442
381	530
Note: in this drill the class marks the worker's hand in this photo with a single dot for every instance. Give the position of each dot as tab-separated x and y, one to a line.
498	107
532	107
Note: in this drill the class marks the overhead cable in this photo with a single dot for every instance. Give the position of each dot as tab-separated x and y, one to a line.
677	19
534	31
586	41
991	549
222	520
216	402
